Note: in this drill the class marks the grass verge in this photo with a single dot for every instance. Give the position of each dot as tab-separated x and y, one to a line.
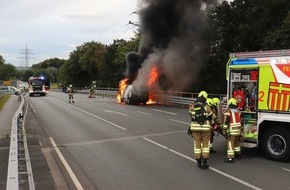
3	100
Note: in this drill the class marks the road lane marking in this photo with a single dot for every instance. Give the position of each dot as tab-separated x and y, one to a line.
118	139
288	170
102	119
66	165
153	142
144	113
210	168
179	121
112	111
31	105
122	107
164	111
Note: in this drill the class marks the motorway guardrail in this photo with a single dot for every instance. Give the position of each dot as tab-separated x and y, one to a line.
19	166
175	98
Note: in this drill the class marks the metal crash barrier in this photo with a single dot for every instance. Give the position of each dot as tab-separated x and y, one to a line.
174	98
19	166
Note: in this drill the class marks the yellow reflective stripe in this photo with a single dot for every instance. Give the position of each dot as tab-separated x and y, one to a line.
199	129
237	149
224	126
197	151
230	150
198	125
205	150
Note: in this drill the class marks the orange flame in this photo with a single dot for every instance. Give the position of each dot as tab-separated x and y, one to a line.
122	87
153	76
150	101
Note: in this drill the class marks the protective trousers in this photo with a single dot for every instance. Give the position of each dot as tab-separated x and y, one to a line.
201	142
233	146
70	97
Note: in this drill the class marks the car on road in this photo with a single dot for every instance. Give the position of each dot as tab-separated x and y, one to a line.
10	90
132	96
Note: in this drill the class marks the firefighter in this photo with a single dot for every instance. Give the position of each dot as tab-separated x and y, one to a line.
232	128
92	91
70	92
201	118
216	103
210	103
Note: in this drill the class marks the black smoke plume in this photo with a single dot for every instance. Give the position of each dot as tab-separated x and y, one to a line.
171	39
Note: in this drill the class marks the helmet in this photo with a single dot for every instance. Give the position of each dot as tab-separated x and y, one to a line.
70	85
209	102
203	94
216	101
232	101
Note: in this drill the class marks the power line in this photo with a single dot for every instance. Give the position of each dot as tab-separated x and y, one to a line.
26	56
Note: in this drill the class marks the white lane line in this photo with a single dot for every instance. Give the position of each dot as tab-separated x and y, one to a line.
31	106
164	111
144	113
122	107
179	122
112	111
102	119
210	168
288	170
67	167
153	142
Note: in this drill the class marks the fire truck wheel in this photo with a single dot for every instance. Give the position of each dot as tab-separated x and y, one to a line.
276	143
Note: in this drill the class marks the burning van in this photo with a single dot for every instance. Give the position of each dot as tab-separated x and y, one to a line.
133	96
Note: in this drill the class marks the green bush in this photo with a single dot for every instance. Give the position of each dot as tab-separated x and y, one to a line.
3	100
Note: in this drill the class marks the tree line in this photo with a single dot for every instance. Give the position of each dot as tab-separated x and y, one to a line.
241	25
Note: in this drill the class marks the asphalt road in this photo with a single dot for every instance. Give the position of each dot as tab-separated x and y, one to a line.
96	143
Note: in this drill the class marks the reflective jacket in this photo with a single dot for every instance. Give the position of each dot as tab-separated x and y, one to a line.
232	122
195	126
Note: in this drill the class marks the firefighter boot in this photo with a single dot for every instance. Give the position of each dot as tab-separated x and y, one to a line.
229	160
198	161
204	163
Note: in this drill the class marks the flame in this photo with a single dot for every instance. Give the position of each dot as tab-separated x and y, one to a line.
153	76
150	101
122	87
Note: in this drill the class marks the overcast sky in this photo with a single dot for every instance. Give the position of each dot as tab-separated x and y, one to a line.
53	28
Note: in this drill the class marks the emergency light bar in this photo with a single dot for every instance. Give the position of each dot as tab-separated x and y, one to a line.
257	54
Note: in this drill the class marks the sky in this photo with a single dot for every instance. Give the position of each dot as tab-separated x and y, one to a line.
54	28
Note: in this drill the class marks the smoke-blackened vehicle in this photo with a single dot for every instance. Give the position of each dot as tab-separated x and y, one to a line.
38	85
136	92
132	96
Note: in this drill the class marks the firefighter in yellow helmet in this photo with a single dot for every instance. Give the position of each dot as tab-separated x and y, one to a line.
201	118
210	103
216	103
70	92
232	127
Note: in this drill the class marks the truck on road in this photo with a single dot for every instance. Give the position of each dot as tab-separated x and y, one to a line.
260	82
37	85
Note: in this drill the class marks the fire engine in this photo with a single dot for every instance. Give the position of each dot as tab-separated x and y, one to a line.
260	82
37	85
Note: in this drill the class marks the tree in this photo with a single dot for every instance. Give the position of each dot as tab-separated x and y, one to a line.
2	61
114	67
7	72
83	64
279	38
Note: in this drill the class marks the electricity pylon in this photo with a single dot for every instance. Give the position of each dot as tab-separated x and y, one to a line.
26	56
